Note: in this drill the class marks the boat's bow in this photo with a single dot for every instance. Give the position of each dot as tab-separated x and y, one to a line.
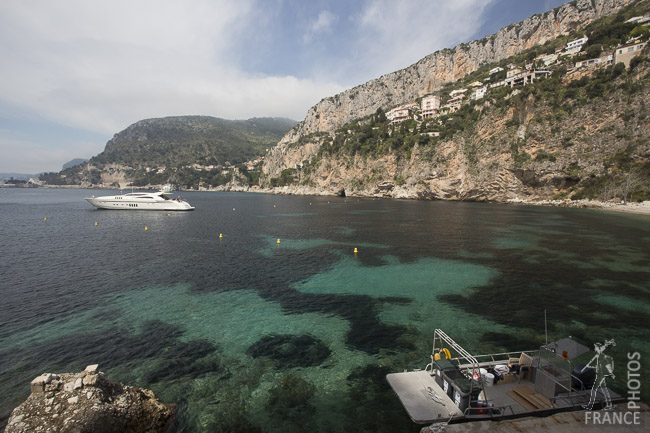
422	397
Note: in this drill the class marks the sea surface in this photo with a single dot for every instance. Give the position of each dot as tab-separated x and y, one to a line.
278	326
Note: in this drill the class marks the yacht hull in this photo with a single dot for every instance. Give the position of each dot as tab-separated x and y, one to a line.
140	201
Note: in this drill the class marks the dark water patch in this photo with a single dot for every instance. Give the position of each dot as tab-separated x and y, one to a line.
187	360
375	408
193	350
290	351
111	347
396	300
185	368
509	342
628	289
235	269
373	257
373	336
520	294
106	315
290	404
238	425
367	333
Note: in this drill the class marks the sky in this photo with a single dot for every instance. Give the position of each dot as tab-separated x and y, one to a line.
76	72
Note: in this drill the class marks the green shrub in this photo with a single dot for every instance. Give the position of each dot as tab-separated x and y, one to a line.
544	156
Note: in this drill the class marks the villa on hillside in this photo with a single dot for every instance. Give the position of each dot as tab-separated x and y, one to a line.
457	92
574	47
606	58
625	53
639	20
430	106
495	70
401	113
454	103
577	43
478	93
547	59
517	76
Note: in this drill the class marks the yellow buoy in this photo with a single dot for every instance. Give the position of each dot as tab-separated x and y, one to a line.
355	251
146	228
220	235
96	223
169	214
45	219
273	205
233	209
278	240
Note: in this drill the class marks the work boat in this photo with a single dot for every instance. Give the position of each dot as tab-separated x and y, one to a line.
458	387
159	200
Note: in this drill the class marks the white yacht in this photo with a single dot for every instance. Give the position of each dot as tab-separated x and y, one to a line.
158	200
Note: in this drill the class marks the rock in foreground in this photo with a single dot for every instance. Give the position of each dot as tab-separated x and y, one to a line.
88	402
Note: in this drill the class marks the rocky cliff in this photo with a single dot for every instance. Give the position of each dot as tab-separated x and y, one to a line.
557	139
88	402
433	71
509	147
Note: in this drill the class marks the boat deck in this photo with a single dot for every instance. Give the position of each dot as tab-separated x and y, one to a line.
426	402
422	397
522	397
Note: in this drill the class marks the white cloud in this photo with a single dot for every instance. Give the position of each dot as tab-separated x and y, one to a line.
322	24
394	35
103	65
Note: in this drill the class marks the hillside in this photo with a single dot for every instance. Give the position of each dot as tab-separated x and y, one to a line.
74	162
186	140
432	72
581	132
185	150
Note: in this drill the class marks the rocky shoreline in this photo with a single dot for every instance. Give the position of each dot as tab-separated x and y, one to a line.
642	208
88	402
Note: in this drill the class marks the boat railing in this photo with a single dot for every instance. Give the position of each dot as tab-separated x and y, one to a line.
496	358
440	336
570	391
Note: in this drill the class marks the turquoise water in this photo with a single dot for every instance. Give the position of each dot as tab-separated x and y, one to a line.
245	333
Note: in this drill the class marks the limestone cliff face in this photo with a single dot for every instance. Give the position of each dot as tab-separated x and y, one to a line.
430	74
528	148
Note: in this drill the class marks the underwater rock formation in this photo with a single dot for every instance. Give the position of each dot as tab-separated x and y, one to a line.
291	350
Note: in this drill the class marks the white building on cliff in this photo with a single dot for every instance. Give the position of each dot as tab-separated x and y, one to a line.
430	106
